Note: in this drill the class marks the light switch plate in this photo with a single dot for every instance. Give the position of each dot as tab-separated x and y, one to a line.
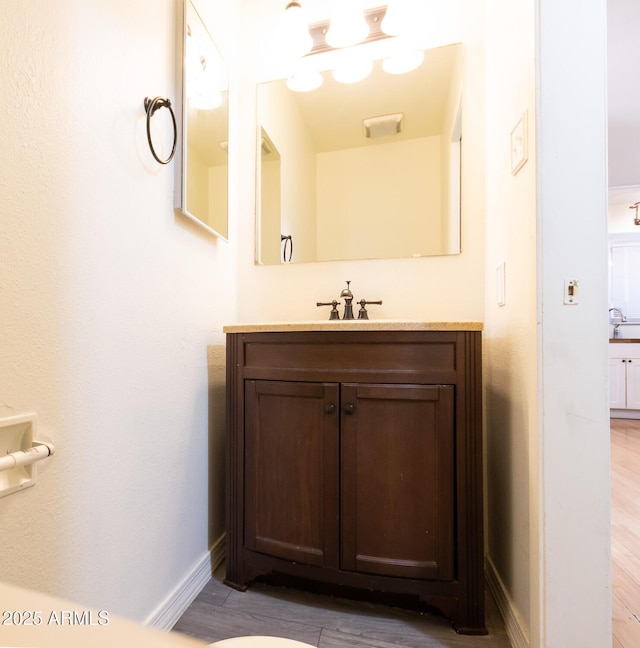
519	144
500	285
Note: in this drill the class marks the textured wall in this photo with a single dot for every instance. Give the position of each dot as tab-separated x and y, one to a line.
109	301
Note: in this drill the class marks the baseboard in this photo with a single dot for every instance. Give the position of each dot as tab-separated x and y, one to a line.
516	629
218	552
172	608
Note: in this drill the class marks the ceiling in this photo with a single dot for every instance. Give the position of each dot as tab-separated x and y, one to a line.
623	18
624	92
334	112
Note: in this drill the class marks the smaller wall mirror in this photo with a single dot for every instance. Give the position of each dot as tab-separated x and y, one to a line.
202	169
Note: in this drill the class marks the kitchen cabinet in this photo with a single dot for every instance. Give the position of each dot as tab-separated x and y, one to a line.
624	376
355	461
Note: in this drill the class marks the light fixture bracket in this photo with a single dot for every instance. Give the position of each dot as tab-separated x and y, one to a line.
636	219
373	18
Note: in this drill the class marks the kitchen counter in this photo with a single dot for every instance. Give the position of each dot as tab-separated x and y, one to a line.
624	340
352	325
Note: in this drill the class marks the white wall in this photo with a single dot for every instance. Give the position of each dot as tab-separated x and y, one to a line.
109	301
573	442
510	330
401	218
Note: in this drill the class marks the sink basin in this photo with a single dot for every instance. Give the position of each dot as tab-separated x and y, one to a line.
627	332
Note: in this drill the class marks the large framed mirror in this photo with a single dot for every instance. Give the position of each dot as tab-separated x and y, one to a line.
201	183
328	184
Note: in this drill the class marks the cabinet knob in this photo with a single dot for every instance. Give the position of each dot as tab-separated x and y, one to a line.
329	408
349	408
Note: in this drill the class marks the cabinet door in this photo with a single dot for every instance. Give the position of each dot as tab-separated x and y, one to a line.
618	383
291	470
398	480
633	383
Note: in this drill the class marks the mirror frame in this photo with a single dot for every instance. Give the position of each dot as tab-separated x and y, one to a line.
180	168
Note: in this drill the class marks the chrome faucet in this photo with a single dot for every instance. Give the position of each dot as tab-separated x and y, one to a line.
622	315
617	324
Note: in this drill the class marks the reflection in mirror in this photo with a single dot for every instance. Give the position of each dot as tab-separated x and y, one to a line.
270	181
356	189
205	114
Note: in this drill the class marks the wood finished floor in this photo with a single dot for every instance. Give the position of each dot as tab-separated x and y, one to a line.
625	531
324	621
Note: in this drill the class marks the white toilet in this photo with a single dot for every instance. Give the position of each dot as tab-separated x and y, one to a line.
259	642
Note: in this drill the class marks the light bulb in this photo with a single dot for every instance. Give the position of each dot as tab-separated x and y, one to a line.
193	61
403	62
352	68
304	81
348	25
295	31
206	100
398	19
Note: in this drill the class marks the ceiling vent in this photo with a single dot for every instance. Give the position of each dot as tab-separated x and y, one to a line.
383	126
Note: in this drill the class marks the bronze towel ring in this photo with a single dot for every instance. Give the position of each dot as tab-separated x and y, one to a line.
150	106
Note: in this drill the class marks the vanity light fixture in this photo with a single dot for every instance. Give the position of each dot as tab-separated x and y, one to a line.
636	219
399	18
295	31
341	36
206	100
403	62
203	82
194	63
352	67
348	25
304	80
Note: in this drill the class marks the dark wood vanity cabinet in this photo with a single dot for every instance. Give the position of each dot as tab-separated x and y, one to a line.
355	459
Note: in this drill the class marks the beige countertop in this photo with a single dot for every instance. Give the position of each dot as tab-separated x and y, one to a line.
352	325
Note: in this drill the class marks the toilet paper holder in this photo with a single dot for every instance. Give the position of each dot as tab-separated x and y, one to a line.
19	451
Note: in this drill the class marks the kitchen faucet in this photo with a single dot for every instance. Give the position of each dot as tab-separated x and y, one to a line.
617	310
617	324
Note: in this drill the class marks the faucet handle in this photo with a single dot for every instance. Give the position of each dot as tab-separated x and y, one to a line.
362	313
334	315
